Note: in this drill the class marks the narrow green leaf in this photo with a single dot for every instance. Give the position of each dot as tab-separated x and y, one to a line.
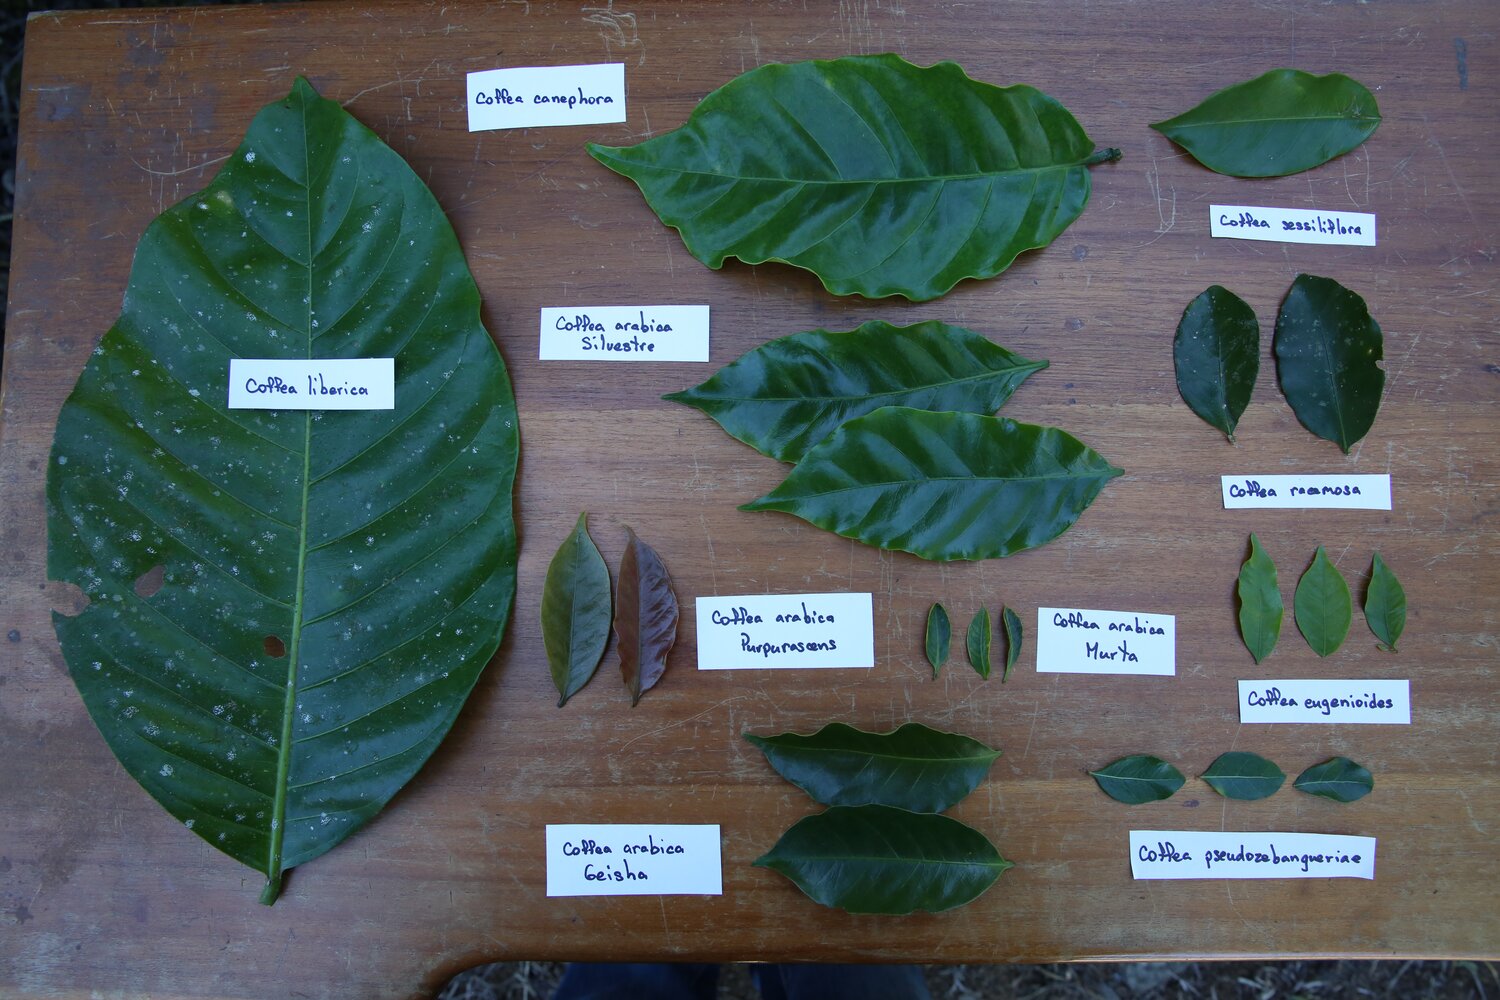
1240	775
1385	604
786	395
913	768
1279	123
878	859
1322	606
646	618
943	485
1014	636
978	643
1339	779
880	177
1138	779
1216	353
1328	352
939	637
1261	609
576	611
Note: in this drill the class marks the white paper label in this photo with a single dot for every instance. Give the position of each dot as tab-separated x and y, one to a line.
1156	854
624	333
1292	225
760	631
331	384
633	859
1080	641
539	96
1306	492
1346	702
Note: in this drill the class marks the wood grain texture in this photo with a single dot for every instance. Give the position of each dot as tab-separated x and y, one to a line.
125	112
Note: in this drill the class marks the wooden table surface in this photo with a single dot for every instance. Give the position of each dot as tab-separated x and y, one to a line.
124	112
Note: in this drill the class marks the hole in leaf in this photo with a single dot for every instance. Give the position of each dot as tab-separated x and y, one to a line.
275	647
149	582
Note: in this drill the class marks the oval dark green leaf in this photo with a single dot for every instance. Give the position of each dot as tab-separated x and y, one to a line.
1261	610
788	394
333	582
1322	606
880	177
1138	779
645	619
914	767
1339	779
1385	604
943	485
978	643
939	637
1240	775
1014	636
576	611
1279	123
877	859
1216	354
1328	353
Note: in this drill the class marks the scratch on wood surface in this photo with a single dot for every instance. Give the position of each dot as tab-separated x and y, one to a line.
185	170
617	28
681	722
1437	144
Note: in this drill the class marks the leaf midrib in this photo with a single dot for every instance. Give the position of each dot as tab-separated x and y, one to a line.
1219	122
854	181
987	374
887	484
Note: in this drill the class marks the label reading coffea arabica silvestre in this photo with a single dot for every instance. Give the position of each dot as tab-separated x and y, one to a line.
624	333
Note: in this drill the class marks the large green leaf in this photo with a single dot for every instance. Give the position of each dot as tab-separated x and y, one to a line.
879	859
788	394
914	767
1216	354
943	485
332	583
1261	610
576	611
880	177
1385	604
1321	605
1241	775
1276	124
1328	352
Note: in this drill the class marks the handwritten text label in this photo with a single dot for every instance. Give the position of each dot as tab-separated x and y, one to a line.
633	859
1306	492
331	384
1158	854
758	631
1349	701
1292	225
539	96
624	333
1077	641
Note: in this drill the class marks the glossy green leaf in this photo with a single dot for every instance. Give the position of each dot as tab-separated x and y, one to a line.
880	177
943	485
1339	779
1261	609
1279	123
331	582
1240	775
939	637
1322	606
914	767
1138	779
1014	636
878	859
1216	353
645	618
576	611
1385	604
787	395
1328	352
978	643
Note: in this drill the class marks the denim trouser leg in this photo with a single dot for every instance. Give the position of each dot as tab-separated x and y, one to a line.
638	981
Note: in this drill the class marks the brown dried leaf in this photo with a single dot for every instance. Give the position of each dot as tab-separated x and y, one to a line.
645	617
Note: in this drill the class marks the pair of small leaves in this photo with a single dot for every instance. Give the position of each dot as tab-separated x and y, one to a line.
977	641
1234	775
1321	604
1279	123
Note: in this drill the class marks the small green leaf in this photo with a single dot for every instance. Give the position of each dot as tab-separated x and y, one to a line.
1240	775
1261	609
1279	123
1339	779
576	611
1138	779
979	643
1328	351
1385	604
878	859
914	767
1013	639
1217	355
1322	605
939	637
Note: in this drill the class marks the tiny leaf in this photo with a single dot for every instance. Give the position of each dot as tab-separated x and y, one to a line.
939	637
1138	779
576	611
979	643
1385	604
1013	639
1322	606
1261	609
914	767
1328	351
1216	354
879	859
1339	779
1240	775
645	619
